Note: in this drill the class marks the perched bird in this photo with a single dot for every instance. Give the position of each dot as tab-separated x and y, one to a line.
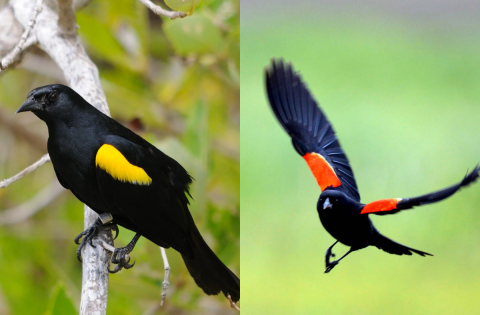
119	174
339	207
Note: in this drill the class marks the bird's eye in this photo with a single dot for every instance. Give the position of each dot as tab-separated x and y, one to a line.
53	96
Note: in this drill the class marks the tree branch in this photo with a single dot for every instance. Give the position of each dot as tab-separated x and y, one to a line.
158	10
66	18
4	183
9	58
10	30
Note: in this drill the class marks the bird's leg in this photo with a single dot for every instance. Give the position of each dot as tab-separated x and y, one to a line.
329	254
104	222
332	264
120	256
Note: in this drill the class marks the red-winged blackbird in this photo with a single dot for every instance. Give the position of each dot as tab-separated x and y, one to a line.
339	207
114	171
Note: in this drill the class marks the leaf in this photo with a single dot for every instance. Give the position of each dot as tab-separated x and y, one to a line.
60	303
100	40
195	34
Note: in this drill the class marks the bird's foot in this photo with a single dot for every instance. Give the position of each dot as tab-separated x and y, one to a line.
331	265
103	223
121	258
329	254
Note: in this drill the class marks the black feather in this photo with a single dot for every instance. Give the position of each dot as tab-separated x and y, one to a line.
301	117
392	247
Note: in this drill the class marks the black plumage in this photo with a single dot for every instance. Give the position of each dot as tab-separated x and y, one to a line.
298	113
113	170
339	207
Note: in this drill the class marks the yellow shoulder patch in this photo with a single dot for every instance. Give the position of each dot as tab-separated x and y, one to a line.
114	163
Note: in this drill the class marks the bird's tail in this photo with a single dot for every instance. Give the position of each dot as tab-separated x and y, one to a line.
392	247
207	269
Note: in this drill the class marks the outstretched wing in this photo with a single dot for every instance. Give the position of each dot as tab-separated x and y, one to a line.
390	206
312	135
140	187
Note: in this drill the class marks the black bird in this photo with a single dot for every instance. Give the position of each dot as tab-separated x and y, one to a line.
116	172
339	207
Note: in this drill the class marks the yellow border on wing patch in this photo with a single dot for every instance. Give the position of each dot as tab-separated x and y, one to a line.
114	163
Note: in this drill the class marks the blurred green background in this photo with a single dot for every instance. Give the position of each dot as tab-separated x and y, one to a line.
399	80
177	84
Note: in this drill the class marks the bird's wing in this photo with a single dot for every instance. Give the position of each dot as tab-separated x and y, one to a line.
312	135
138	184
390	206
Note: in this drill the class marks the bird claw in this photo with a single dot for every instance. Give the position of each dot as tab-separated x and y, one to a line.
121	259
331	265
91	233
329	254
79	236
115	229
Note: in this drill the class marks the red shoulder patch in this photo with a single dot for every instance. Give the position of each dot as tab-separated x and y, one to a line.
381	205
323	172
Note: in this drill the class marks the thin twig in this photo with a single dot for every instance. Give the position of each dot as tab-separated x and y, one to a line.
32	40
10	57
34	205
107	246
232	304
158	10
29	42
4	183
166	266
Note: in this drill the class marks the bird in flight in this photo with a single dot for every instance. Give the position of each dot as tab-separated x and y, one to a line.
123	177
339	207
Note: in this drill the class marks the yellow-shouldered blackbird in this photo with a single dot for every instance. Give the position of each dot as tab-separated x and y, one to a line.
339	207
114	171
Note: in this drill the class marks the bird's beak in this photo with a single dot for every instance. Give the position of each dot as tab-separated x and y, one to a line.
327	204
30	105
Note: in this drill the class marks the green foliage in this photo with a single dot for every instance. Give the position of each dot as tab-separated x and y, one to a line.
60	303
188	104
197	34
